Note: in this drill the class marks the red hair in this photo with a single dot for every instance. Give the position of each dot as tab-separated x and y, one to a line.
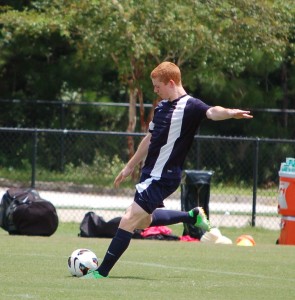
167	71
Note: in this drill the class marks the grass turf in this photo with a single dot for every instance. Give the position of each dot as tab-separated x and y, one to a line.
36	268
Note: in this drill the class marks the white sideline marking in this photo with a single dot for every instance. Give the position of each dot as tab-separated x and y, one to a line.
153	265
23	296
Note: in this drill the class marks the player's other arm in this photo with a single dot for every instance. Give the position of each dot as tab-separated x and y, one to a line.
219	113
138	156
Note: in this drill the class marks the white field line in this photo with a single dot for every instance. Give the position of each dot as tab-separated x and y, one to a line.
204	271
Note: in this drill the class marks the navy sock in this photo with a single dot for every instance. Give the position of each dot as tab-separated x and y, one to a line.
161	217
118	245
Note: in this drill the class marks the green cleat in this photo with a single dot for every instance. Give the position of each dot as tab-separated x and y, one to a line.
201	219
93	275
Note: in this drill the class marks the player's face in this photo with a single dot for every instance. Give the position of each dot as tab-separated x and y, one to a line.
161	89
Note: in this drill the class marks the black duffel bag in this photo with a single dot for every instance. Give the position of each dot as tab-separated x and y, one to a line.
93	225
24	212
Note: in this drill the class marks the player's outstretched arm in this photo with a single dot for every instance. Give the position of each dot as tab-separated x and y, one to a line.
219	113
138	156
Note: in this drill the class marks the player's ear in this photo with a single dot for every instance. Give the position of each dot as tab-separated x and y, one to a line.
171	82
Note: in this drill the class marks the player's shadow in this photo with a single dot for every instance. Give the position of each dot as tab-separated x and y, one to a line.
130	277
117	277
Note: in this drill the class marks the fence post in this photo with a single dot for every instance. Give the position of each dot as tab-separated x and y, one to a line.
198	149
62	138
255	179
34	158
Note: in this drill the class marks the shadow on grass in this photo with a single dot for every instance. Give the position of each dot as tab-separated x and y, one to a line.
130	277
114	277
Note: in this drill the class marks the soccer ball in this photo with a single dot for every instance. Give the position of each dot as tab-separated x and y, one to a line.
82	260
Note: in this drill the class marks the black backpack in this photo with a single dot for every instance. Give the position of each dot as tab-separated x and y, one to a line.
24	212
93	225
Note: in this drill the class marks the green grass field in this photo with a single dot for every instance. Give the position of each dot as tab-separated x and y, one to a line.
36	268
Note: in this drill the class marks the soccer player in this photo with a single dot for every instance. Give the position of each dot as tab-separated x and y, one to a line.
164	148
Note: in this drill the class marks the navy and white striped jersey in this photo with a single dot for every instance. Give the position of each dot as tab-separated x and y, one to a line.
173	128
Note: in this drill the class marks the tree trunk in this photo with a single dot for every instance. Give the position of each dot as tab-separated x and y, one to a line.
132	120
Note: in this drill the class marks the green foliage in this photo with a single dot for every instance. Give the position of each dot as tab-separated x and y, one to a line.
101	172
35	48
232	53
210	36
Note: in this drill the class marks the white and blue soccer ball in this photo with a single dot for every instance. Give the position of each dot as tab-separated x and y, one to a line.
81	261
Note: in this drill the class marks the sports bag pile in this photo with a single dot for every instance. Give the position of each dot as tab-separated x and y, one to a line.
24	212
93	225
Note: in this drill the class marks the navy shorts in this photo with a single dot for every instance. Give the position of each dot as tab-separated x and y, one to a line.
152	191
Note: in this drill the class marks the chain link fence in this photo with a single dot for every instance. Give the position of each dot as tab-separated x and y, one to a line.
75	169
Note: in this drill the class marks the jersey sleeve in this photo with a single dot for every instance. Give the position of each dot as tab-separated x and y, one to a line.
202	107
151	126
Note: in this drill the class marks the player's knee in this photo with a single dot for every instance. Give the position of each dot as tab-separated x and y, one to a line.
131	221
146	222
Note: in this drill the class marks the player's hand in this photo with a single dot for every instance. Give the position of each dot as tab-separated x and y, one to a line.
122	175
241	114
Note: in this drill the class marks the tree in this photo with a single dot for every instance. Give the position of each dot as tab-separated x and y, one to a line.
220	40
240	51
